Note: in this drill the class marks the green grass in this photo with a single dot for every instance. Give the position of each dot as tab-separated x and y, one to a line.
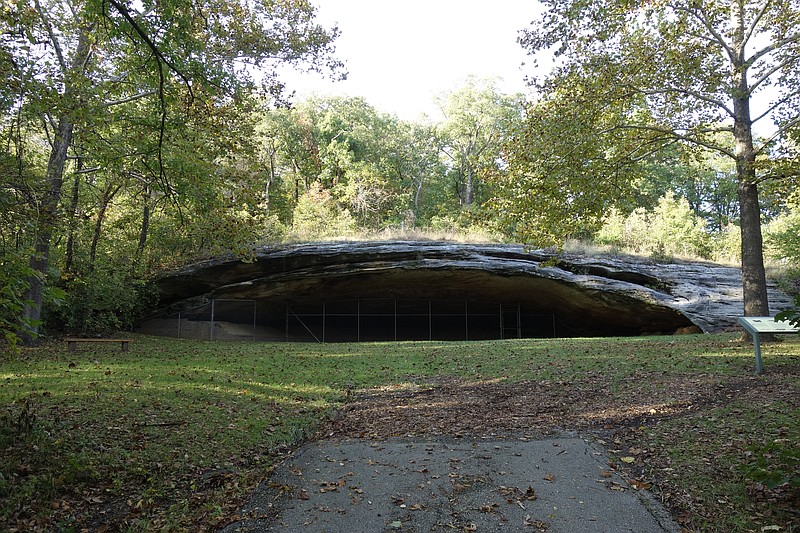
173	434
720	459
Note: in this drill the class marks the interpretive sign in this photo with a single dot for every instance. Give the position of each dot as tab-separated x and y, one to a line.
756	325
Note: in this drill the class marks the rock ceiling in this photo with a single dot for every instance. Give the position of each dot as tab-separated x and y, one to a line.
589	295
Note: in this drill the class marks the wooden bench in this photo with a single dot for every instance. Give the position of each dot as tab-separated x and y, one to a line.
72	343
756	325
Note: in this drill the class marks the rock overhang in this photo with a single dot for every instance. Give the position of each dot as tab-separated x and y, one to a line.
589	295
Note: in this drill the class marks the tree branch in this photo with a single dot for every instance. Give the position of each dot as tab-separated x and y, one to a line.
754	24
56	45
684	92
710	27
771	48
129	98
679	136
773	107
122	10
161	60
778	133
791	61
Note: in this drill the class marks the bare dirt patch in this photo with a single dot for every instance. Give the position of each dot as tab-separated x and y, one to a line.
451	406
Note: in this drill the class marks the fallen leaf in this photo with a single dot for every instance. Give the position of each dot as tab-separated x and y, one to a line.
628	460
639	484
550	477
538	524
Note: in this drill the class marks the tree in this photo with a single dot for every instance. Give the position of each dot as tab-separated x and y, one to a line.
477	119
73	63
700	73
416	162
319	216
375	166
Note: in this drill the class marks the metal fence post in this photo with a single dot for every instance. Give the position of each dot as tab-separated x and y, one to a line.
211	331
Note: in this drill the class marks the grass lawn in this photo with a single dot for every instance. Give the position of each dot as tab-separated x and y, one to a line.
173	434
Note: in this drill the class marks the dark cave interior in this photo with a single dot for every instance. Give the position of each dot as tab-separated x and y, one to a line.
414	304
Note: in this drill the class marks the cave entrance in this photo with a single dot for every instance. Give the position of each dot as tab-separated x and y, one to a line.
359	320
409	320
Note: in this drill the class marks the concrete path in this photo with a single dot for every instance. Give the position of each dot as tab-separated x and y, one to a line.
402	485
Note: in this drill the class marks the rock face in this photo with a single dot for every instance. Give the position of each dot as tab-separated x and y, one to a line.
433	290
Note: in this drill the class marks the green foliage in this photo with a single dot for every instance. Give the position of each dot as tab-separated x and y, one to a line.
705	179
783	236
272	230
563	175
14	276
318	216
727	244
651	75
670	229
783	239
368	195
478	121
791	315
143	105
101	301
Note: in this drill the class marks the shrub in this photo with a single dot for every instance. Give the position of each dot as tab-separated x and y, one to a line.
318	216
14	276
101	301
783	237
792	315
670	229
728	244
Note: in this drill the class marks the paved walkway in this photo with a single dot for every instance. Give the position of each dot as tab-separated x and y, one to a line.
422	485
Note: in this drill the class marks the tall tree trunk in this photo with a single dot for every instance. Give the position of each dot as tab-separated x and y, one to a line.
73	219
54	179
48	219
273	151
417	192
754	279
108	195
469	185
145	227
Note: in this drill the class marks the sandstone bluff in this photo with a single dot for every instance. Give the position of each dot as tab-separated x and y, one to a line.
410	290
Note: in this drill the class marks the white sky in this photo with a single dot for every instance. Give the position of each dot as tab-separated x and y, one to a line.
401	54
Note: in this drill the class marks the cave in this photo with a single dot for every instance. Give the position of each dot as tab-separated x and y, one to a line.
408	291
